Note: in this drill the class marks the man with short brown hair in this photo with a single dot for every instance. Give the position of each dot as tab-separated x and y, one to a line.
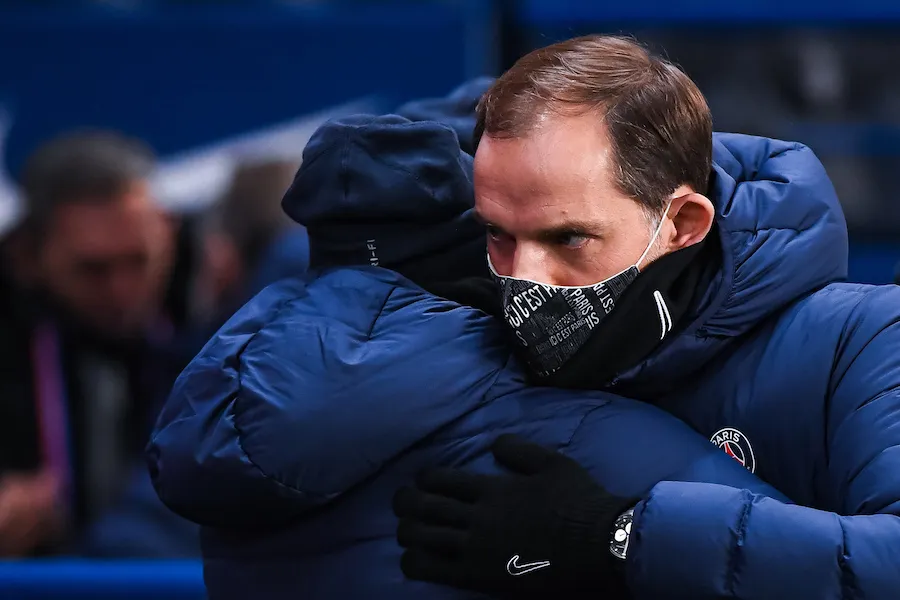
82	345
655	121
636	251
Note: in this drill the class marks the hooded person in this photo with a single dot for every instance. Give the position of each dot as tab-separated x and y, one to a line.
288	435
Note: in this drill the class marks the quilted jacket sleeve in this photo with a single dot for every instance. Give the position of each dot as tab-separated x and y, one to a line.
695	540
310	389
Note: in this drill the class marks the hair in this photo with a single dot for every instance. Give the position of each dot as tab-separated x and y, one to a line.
657	120
83	166
250	211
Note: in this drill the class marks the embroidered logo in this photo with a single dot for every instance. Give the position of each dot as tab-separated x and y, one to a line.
514	568
736	445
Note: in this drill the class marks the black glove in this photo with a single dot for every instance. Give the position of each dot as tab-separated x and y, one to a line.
543	531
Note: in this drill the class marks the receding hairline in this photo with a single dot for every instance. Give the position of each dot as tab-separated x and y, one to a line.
653	115
548	81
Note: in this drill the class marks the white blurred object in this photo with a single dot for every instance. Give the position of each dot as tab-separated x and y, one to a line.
11	208
193	180
823	77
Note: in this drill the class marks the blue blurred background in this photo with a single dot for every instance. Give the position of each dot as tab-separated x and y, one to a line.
223	90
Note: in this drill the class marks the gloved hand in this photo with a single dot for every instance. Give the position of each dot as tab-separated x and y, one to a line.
542	531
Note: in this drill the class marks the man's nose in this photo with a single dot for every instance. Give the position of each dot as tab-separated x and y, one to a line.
531	262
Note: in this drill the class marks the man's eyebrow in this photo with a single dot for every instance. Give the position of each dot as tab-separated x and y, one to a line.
556	230
572	226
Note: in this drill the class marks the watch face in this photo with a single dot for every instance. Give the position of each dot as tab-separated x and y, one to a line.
621	534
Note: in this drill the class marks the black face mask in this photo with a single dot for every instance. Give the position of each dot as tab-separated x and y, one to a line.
552	322
635	328
628	334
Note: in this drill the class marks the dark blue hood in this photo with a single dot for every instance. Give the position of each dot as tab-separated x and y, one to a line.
389	192
783	236
782	227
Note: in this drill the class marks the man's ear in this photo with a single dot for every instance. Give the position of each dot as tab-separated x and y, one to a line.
692	216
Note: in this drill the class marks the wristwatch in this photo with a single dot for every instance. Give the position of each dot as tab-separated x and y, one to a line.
621	534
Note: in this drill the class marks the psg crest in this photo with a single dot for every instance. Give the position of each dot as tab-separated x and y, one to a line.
736	445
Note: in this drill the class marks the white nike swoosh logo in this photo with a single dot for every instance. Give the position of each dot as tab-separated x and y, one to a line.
515	569
665	319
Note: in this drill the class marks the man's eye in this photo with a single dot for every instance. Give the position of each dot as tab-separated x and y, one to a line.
572	241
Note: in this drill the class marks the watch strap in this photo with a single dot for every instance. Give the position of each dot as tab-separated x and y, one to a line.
621	535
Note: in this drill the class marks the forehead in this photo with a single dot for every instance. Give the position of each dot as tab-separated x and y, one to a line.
561	170
100	227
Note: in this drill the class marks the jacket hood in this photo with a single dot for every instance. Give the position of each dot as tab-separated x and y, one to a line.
388	192
782	227
783	236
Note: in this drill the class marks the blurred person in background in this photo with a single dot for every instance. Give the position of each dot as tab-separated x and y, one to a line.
245	243
79	350
248	242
